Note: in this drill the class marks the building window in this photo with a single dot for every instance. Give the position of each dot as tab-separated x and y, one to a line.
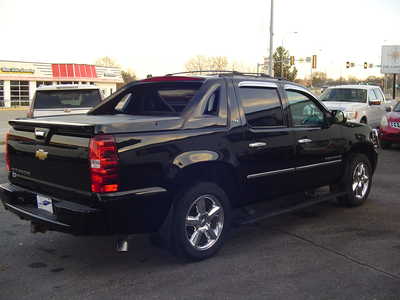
19	93
1	93
39	83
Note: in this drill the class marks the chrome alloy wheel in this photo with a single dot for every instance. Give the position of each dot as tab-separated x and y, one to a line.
360	180
204	222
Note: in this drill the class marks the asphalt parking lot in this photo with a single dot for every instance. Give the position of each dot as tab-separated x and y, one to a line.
5	116
331	253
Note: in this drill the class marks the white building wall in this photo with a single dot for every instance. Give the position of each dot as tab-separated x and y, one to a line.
7	93
32	89
107	88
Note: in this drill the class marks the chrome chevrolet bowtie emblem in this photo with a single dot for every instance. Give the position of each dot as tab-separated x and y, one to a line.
41	154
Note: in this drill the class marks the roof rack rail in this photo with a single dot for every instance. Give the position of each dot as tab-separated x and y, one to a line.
222	72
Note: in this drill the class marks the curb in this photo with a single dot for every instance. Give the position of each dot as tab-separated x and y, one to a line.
13	108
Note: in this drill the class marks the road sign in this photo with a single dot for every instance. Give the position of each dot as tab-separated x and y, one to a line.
390	60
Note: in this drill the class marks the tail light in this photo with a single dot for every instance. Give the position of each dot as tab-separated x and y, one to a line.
6	153
104	164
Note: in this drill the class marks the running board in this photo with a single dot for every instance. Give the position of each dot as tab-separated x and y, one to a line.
254	215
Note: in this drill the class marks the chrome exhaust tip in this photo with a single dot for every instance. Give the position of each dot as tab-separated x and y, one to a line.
122	245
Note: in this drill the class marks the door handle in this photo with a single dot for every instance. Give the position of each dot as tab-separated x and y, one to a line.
257	145
304	141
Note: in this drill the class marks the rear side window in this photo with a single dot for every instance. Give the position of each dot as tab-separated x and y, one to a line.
371	95
379	94
157	99
212	107
262	106
66	99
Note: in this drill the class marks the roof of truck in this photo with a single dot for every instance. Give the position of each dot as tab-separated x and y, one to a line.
67	87
354	86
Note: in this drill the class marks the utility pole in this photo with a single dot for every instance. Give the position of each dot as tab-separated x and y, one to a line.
394	87
271	37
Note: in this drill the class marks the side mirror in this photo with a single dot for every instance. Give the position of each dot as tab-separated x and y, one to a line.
338	117
388	109
374	102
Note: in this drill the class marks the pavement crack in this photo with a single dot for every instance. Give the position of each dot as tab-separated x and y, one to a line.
337	252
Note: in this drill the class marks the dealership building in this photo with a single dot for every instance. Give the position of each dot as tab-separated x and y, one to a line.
19	79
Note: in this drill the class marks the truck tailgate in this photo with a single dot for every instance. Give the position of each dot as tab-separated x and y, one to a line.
52	160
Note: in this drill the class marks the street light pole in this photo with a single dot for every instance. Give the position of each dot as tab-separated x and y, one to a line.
271	37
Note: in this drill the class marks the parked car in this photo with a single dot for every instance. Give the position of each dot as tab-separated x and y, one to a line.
389	131
181	156
52	100
360	103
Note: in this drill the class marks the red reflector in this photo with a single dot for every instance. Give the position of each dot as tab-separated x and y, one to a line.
104	163
171	78
6	153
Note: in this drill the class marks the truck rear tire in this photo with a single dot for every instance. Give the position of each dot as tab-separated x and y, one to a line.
356	181
200	221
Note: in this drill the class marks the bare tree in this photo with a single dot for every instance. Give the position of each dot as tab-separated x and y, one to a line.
218	63
242	67
106	61
128	76
198	63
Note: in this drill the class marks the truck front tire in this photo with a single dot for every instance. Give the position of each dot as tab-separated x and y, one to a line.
200	221
357	180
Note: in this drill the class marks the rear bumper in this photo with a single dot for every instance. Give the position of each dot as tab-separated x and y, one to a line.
117	214
389	134
68	217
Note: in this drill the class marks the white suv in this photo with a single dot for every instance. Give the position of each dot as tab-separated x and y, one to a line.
64	99
360	103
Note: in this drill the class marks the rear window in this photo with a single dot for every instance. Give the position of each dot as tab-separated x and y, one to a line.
66	99
345	95
157	99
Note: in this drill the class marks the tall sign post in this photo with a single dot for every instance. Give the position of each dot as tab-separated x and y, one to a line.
271	38
391	63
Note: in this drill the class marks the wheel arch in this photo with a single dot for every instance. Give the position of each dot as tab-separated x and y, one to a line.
368	150
220	172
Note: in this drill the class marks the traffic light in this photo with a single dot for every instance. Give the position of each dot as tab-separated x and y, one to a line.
347	64
314	62
292	60
365	65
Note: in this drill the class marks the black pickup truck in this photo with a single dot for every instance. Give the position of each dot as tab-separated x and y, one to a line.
180	155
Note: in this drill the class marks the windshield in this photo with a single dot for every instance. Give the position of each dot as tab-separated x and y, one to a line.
67	98
397	107
157	99
344	95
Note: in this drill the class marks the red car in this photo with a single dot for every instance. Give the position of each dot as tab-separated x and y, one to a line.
389	132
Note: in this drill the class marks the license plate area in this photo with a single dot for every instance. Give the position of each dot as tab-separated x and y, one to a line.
45	203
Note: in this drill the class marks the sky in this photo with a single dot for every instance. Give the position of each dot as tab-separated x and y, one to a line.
159	36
